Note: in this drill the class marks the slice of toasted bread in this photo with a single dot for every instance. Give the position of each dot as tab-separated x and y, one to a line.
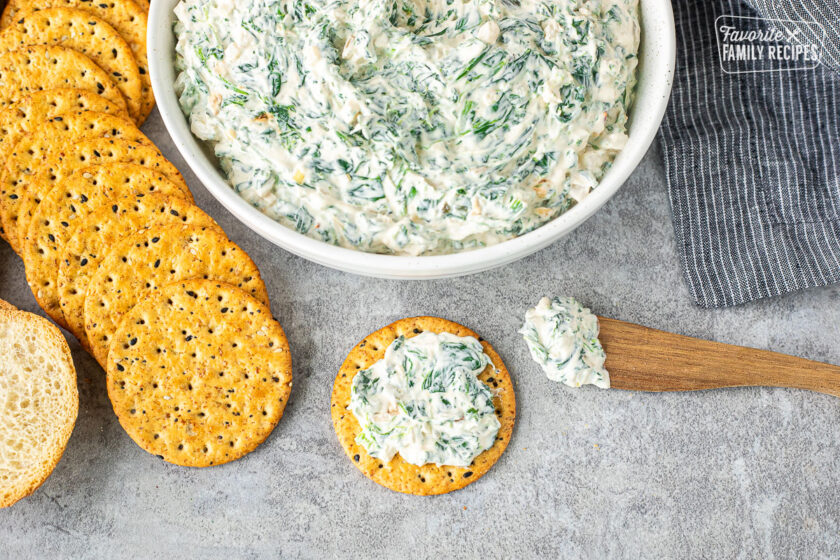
38	402
6	306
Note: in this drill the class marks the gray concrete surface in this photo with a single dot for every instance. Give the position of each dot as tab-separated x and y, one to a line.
747	473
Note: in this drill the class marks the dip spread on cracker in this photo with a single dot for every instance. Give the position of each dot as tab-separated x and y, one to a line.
409	127
447	420
562	336
424	401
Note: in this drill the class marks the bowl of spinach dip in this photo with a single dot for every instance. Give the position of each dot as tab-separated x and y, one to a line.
411	138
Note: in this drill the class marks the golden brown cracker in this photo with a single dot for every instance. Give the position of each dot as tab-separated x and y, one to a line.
31	69
102	230
19	119
140	264
127	17
199	373
18	194
85	33
145	5
69	202
397	474
62	163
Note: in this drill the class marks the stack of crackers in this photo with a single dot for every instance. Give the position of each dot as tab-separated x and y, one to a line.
115	250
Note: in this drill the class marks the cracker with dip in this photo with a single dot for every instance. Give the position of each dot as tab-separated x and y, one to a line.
423	406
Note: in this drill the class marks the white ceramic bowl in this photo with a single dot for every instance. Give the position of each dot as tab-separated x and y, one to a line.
655	74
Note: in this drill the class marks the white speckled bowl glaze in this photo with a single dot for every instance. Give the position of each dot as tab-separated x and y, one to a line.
655	74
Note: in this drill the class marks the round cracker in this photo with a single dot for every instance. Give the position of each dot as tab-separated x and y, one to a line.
199	373
18	120
128	18
397	474
87	34
18	195
160	255
91	151
31	69
145	4
69	202
103	229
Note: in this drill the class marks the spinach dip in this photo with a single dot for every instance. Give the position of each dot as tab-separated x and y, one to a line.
409	126
562	336
424	401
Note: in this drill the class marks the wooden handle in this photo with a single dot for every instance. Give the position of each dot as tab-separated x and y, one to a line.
644	359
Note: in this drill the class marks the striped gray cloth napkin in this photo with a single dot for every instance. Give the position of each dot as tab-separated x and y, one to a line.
751	144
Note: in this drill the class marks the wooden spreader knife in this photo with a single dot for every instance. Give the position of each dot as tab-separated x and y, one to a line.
644	359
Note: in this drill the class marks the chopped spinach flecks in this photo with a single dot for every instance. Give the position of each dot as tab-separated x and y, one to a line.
409	126
424	401
562	337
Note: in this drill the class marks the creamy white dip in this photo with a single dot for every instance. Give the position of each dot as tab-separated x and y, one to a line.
424	401
562	336
409	126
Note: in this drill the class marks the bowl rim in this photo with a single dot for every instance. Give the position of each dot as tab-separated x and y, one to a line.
657	59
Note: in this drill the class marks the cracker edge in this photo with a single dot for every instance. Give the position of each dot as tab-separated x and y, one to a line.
111	374
347	428
78	330
98	350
